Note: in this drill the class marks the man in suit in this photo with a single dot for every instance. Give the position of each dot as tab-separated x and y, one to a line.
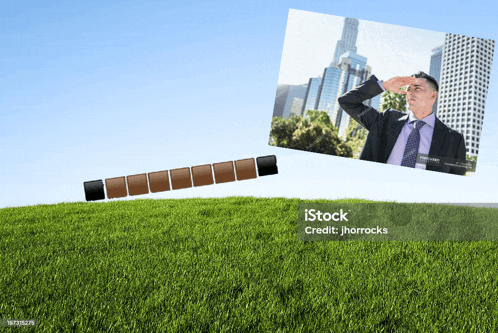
397	138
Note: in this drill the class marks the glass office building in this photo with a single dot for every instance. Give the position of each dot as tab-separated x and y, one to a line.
311	96
348	39
435	70
337	80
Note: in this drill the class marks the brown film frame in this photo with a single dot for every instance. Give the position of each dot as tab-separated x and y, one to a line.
180	178
159	181
137	184
245	169
116	187
202	175
224	172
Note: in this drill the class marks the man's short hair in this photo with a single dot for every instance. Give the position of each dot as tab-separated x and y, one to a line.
430	80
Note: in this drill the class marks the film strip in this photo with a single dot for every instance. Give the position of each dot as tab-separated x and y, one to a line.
177	179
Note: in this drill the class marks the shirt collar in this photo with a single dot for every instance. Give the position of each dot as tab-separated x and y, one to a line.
428	120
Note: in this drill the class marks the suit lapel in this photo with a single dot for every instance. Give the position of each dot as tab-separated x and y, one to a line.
437	142
393	136
437	139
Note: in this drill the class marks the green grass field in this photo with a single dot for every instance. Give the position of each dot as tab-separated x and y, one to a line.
231	265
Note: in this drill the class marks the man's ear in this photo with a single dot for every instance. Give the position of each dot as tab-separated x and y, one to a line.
434	95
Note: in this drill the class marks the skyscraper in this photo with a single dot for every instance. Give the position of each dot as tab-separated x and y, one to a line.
281	99
298	91
311	96
346	71
297	107
354	70
327	93
348	39
464	86
435	70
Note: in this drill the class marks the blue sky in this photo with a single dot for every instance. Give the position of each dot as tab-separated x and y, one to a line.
93	91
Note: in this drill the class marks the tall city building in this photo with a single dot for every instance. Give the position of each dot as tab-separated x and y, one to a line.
338	79
295	91
353	71
464	86
281	99
348	39
347	70
435	70
328	91
297	107
311	96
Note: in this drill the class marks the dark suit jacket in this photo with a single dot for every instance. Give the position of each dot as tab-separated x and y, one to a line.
384	129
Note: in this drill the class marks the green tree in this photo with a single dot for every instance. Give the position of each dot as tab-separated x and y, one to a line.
282	130
356	136
472	158
315	134
393	101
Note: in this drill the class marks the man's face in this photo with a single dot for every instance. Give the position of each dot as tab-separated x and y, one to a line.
420	95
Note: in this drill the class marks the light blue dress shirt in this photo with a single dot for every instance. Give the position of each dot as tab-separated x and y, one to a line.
425	137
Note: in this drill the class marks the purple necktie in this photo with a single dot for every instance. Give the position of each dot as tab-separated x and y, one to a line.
411	149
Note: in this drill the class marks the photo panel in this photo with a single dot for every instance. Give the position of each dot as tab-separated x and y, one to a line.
381	93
